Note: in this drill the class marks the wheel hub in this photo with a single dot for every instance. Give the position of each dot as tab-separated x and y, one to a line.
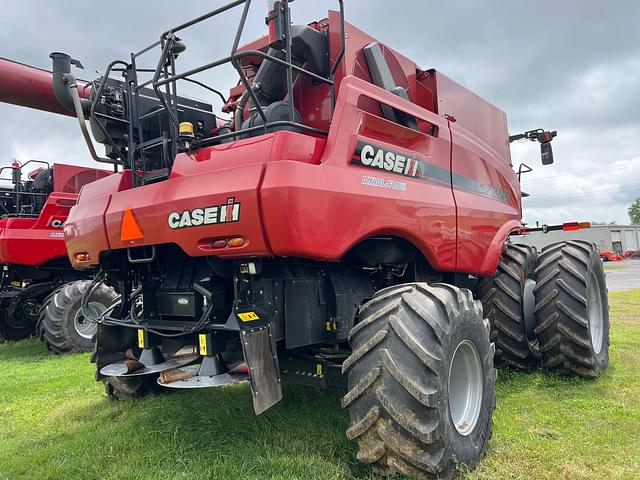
83	326
465	387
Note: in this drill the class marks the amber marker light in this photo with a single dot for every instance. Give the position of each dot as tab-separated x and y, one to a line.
82	257
236	242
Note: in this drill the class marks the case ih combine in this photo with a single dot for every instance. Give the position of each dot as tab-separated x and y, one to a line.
38	283
349	227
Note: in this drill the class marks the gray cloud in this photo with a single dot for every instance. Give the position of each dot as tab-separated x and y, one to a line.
572	65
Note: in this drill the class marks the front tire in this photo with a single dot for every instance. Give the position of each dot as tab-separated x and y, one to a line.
421	381
572	309
64	327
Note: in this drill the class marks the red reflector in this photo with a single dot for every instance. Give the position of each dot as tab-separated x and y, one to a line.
236	242
219	243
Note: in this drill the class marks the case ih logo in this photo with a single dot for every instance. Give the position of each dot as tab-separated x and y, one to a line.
226	213
380	158
56	223
377	157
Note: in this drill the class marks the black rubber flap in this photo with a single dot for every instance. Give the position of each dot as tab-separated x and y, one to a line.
264	372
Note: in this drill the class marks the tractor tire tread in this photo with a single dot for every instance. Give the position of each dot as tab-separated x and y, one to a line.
562	310
388	349
502	298
55	322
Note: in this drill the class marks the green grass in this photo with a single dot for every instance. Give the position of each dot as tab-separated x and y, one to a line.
56	423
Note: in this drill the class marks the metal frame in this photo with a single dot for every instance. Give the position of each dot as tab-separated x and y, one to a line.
18	193
165	78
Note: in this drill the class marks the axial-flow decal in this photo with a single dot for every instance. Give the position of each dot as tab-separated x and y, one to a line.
413	166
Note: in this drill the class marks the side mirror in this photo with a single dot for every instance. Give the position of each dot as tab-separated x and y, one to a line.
546	152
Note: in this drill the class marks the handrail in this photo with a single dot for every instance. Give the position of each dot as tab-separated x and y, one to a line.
164	75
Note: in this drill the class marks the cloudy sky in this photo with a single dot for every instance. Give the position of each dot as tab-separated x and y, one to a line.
570	65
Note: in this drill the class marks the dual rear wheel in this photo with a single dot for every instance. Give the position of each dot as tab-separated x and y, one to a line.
552	311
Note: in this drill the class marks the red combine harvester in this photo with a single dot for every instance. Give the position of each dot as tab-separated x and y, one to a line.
38	283
348	227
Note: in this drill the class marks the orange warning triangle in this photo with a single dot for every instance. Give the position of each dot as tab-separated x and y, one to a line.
130	229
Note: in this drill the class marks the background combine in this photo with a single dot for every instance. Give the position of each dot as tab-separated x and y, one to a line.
38	283
348	227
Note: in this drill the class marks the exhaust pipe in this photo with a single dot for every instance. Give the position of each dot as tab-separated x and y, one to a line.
65	89
61	72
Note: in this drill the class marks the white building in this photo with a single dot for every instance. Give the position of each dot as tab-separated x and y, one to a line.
617	238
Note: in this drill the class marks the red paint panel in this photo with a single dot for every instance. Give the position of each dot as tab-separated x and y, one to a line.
488	215
321	211
207	177
30	247
152	204
71	178
35	241
471	112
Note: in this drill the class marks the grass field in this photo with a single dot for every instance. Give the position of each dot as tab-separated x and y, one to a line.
56	423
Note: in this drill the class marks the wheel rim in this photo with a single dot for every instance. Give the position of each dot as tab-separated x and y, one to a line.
83	326
596	316
465	387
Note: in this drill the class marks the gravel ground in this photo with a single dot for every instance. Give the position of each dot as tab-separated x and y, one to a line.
625	278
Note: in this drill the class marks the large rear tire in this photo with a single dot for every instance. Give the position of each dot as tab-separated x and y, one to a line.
421	381
572	309
504	300
64	327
